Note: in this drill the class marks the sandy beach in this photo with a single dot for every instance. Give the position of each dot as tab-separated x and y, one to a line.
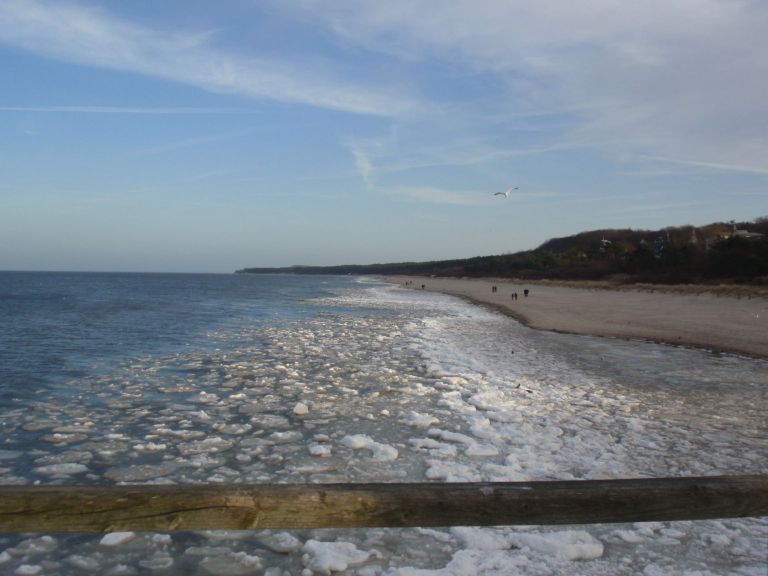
706	320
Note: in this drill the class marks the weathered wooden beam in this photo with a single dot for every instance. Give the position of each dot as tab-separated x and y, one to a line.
243	507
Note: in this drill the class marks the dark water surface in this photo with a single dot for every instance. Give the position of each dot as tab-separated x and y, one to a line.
59	326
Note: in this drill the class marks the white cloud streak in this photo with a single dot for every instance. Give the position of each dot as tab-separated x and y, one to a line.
435	195
125	110
363	165
91	37
667	81
667	78
717	166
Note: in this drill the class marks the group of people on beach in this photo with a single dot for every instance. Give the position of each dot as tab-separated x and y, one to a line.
495	289
410	283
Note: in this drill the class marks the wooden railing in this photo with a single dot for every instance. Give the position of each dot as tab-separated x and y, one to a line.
243	507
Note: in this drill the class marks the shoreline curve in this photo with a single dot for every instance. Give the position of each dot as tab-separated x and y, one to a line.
710	321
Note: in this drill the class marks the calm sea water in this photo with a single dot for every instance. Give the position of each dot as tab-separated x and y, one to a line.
160	378
59	326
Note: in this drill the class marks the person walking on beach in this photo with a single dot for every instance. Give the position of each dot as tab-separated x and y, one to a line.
525	292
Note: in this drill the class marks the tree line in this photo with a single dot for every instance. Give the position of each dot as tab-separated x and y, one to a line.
735	252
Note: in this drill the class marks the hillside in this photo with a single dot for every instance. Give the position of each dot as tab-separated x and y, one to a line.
736	252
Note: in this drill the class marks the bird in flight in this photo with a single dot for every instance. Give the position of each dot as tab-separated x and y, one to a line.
507	192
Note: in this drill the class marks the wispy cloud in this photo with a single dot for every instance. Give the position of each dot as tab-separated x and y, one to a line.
363	165
434	195
669	78
418	146
125	110
92	37
467	155
717	166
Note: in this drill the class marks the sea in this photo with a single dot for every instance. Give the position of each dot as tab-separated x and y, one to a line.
225	379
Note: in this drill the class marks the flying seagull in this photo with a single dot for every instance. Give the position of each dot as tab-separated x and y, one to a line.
507	192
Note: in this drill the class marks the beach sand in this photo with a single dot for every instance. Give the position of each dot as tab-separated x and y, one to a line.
706	320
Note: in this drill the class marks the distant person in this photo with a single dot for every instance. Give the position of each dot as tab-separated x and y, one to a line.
422	286
525	292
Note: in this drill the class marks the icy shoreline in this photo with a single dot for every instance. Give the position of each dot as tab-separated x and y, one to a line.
711	321
435	390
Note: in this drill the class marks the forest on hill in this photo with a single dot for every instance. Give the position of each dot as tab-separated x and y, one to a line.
735	252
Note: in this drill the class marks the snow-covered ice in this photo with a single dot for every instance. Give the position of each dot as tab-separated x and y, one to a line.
117	538
326	557
397	386
378	450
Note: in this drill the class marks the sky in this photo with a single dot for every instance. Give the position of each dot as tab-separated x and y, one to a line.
198	136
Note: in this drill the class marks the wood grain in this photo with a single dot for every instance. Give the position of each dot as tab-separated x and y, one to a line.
243	507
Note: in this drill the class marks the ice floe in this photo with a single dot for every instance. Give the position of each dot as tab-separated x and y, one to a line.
380	451
65	469
326	557
117	538
28	570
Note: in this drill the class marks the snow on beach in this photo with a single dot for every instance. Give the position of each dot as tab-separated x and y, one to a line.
403	386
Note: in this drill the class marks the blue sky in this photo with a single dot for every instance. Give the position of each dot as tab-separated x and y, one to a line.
189	135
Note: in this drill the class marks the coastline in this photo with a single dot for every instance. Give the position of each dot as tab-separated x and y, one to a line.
721	323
